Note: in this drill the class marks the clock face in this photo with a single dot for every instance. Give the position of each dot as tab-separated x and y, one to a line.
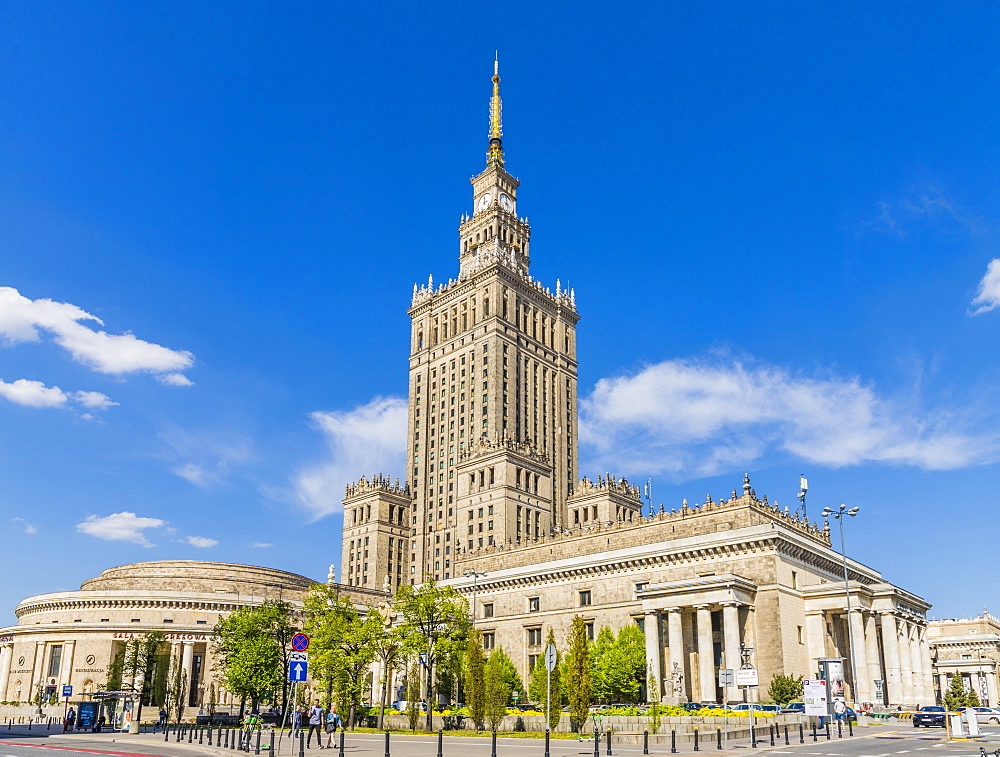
505	202
485	200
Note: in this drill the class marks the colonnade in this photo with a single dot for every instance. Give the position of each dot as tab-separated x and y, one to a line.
671	683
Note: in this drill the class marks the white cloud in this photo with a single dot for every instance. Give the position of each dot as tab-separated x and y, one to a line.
31	393
988	295
261	545
94	400
200	541
123	526
693	418
28	527
366	440
175	379
21	320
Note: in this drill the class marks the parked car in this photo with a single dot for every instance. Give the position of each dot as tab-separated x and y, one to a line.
928	716
402	704
989	715
693	706
756	707
794	707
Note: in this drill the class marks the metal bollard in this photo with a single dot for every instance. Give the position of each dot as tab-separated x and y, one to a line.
645	742
270	749
341	753
840	729
256	746
441	742
48	724
201	735
166	731
814	733
786	734
827	731
302	745
609	742
850	727
802	734
673	741
29	724
770	728
190	734
696	748
386	744
494	752
718	738
547	753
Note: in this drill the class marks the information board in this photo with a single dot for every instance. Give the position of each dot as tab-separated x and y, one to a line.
814	696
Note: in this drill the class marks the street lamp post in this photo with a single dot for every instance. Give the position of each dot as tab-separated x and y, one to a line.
475	590
839	514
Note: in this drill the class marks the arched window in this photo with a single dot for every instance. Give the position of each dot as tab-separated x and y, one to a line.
420	340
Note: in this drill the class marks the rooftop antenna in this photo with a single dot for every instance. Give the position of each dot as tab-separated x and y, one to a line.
803	488
649	495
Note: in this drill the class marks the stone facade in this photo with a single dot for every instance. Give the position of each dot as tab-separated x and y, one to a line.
71	637
493	505
969	647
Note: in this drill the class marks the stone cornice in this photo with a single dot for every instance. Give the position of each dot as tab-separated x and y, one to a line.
110	600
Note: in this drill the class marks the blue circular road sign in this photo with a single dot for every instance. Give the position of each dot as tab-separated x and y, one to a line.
300	642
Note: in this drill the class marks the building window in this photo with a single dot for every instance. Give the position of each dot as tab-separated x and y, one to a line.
136	620
168	620
590	630
201	622
534	637
585	598
532	661
55	660
799	633
489	640
488	610
533	604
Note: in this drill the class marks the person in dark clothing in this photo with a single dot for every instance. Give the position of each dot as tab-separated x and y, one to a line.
316	718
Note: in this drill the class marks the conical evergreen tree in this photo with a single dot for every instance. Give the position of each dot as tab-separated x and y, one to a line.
578	672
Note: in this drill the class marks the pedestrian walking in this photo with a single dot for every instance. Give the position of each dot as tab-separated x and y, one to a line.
316	717
332	724
70	719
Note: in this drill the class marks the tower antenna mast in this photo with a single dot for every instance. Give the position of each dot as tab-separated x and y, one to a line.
803	488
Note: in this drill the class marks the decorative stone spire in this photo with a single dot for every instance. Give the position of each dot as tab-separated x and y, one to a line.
746	484
494	156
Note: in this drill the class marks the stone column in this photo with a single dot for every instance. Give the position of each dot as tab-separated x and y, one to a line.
187	664
376	691
706	663
6	654
676	633
651	628
890	641
906	662
991	682
859	651
66	671
925	656
874	671
815	639
731	641
37	669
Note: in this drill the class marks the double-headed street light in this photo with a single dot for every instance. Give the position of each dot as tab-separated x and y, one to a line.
475	590
839	514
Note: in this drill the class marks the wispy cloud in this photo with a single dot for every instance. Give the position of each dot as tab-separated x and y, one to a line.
692	418
927	207
123	526
31	393
28	527
206	458
202	542
24	320
988	294
368	439
261	545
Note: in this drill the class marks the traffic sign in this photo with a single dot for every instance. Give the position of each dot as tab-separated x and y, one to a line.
550	657
726	678
298	657
67	691
298	671
747	677
300	642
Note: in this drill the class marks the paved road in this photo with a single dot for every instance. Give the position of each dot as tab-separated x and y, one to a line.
869	742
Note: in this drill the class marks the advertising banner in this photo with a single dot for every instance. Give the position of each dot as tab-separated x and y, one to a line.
814	696
86	716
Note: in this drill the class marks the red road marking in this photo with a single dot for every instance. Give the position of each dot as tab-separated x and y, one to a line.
76	749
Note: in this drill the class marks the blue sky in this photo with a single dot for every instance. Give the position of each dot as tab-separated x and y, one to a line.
779	219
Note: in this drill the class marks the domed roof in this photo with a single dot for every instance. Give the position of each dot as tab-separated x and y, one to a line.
199	577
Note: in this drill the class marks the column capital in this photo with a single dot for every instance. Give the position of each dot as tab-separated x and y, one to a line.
731	603
703	606
651	612
673	610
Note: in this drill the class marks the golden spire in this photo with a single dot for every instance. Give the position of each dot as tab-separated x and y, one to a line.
494	156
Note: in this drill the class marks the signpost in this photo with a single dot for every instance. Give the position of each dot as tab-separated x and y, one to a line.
298	670
67	692
726	681
550	664
300	642
298	666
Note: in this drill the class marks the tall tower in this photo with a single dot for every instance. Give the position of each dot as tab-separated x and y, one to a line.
492	437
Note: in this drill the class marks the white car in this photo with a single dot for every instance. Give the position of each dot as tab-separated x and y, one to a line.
987	715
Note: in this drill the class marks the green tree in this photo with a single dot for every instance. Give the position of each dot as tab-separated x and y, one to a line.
251	650
475	685
177	686
538	686
602	653
623	669
413	696
784	689
578	672
957	695
654	708
498	685
388	643
972	698
139	663
436	620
